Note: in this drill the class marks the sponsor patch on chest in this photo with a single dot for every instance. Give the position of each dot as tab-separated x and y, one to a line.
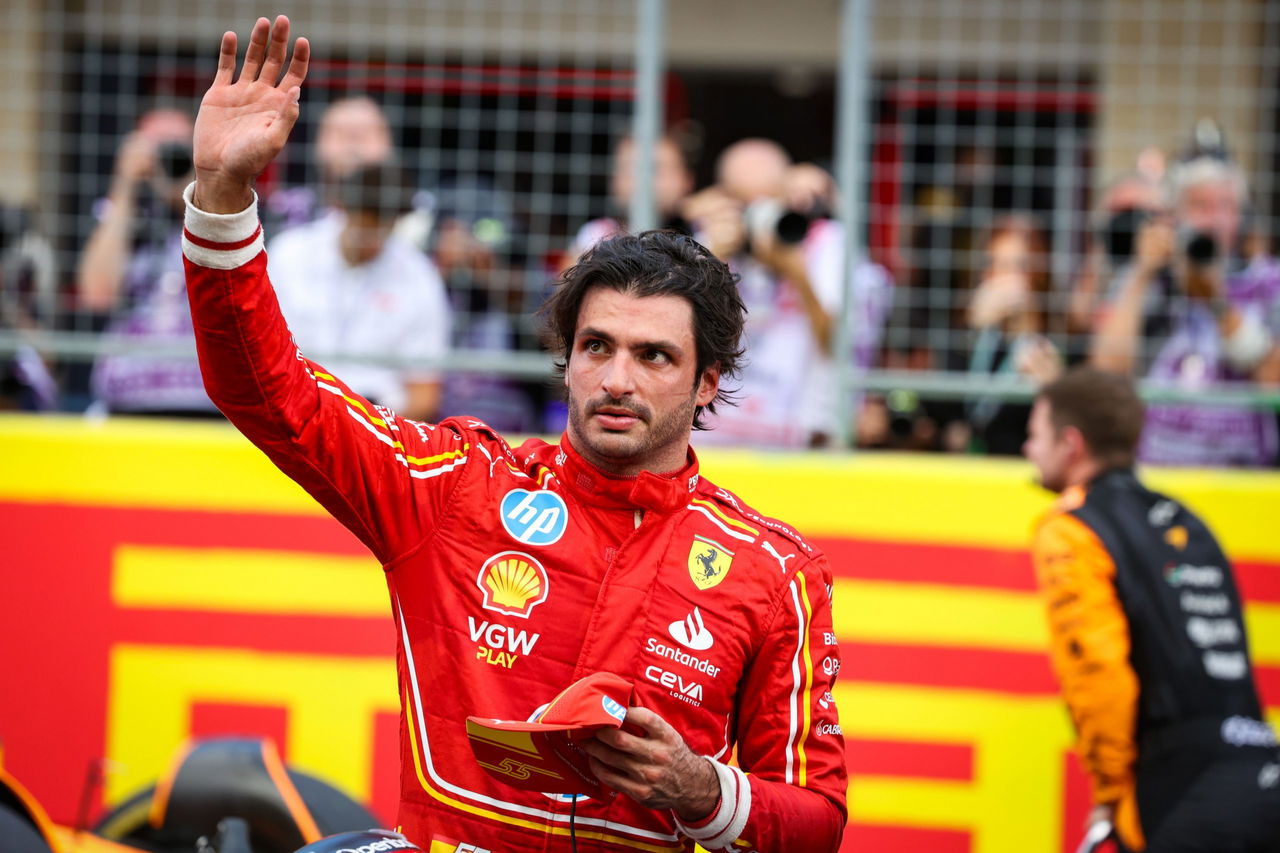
709	562
500	645
513	583
534	517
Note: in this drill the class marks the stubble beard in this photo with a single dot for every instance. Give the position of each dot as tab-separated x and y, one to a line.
634	451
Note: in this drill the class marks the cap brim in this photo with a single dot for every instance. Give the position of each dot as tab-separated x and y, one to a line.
535	756
543	755
530	726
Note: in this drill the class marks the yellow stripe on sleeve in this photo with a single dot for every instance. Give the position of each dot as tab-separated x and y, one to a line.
439	457
733	522
373	419
807	693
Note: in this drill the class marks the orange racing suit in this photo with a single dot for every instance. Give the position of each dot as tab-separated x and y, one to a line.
1147	640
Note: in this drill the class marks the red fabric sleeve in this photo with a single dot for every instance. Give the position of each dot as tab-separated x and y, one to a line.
383	477
789	740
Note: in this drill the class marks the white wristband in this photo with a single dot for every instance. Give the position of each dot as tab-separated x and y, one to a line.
735	806
221	241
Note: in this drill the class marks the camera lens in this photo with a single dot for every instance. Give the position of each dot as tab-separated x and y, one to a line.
791	227
770	217
174	159
1201	248
1120	233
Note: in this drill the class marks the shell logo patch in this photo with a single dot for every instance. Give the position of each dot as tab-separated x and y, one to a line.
1177	537
709	562
512	583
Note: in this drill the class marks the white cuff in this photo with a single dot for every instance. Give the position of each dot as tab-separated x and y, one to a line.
220	241
735	806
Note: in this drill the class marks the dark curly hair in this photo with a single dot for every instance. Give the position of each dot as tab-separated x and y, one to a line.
656	263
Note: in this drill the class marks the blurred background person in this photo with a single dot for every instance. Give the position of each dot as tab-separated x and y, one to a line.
790	264
474	242
928	328
953	207
1127	202
672	183
809	194
27	305
1008	315
130	274
786	324
1147	637
1213	320
352	132
354	293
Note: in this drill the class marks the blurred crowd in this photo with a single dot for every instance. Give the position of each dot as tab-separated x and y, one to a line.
384	278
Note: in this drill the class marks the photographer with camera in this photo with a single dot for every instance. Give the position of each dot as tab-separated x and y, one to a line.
1127	202
28	301
130	274
1215	323
771	221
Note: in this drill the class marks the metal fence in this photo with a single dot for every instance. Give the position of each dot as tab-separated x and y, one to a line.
993	157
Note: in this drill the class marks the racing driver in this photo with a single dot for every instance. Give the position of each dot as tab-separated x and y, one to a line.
1147	637
514	572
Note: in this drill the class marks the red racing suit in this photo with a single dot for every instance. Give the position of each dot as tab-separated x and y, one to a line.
513	572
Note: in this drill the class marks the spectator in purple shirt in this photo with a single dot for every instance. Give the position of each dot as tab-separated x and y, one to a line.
1210	317
131	270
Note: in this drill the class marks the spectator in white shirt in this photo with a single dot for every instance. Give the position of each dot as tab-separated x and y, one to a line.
363	301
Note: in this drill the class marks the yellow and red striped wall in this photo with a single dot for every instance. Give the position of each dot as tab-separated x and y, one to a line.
162	580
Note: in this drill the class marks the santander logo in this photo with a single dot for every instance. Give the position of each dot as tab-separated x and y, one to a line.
691	633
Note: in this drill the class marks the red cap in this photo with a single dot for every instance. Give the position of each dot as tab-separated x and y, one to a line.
543	754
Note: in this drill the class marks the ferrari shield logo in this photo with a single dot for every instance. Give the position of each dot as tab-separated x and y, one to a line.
709	562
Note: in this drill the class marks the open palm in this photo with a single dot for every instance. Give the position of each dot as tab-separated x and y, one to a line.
242	125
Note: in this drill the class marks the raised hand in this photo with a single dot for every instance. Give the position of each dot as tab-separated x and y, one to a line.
1155	247
242	125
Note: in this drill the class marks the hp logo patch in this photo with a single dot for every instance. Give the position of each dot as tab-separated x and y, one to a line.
534	518
613	708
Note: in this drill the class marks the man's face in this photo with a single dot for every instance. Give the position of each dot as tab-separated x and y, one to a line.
752	170
1047	448
363	236
631	380
672	180
353	133
1010	255
1212	206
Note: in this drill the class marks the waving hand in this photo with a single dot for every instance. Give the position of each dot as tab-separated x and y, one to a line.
243	124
